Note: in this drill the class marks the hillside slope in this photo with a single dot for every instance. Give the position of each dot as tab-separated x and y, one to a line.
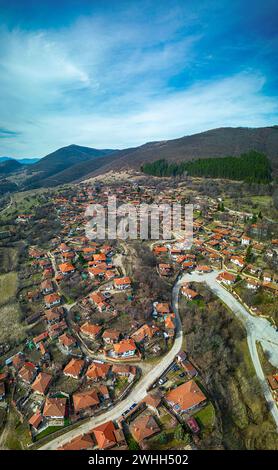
213	143
60	160
7	167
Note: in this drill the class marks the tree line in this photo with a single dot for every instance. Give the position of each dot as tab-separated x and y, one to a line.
251	167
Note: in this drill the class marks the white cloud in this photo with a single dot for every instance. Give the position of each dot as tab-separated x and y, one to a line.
107	86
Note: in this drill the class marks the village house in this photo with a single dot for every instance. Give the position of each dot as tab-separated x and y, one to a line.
84	401
145	332
124	370
36	420
185	397
203	269
90	330
42	383
67	342
190	294
98	370
245	240
99	300
74	368
66	269
47	287
51	300
165	269
111	336
252	284
54	315
28	372
122	283
226	278
107	436
161	308
84	442
64	248
125	348
37	340
237	260
55	408
143	428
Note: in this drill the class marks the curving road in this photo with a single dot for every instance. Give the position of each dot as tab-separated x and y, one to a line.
257	328
139	391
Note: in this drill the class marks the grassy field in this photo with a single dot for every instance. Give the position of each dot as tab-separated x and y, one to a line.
24	202
8	284
15	435
253	204
206	416
11	330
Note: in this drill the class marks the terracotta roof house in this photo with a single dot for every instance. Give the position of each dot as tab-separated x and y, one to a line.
99	300
144	427
237	260
162	307
125	348
124	370
111	336
41	383
106	435
79	443
152	400
226	278
91	330
51	300
18	360
47	287
203	268
144	332
67	341
98	370
74	368
36	419
164	269
185	397
54	315
66	268
55	408
99	258
28	372
64	248
122	283
40	338
84	400
190	294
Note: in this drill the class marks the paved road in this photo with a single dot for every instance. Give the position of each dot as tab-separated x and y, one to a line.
258	329
138	392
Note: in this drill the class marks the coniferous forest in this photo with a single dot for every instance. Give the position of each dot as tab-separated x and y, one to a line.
251	167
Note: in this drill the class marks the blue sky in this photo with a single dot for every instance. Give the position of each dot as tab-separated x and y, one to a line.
121	73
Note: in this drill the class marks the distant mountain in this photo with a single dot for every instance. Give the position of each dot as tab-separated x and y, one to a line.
23	161
7	167
28	161
61	160
226	141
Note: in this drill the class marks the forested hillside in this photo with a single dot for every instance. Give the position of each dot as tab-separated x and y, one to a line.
252	167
